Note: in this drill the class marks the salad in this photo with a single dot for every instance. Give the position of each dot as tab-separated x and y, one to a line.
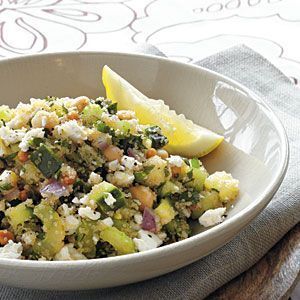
81	179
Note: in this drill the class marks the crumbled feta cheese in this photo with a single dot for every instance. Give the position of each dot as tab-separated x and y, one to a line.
95	239
68	252
128	162
87	212
64	210
147	240
75	200
32	133
109	200
138	219
121	179
29	238
70	224
11	250
113	165
10	136
71	130
94	178
84	200
212	217
175	160
108	221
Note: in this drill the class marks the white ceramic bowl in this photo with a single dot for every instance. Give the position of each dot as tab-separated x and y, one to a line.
256	152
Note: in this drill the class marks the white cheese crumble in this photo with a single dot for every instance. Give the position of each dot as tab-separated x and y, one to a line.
212	217
113	165
87	212
10	136
138	219
128	162
94	178
75	200
109	200
71	130
70	224
68	252
175	160
121	179
108	221
32	133
11	250
64	210
29	238
147	241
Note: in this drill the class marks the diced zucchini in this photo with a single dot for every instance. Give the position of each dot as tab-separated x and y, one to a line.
18	215
122	243
140	176
169	188
91	114
210	200
199	174
165	211
124	226
84	237
45	160
53	228
30	174
100	192
59	109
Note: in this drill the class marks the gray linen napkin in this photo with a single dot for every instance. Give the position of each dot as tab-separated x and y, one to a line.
203	277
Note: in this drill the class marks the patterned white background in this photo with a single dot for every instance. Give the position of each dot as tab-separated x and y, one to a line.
184	30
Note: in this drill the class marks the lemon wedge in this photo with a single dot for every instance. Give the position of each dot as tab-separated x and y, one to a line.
185	137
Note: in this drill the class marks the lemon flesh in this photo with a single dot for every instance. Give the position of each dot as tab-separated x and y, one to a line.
185	137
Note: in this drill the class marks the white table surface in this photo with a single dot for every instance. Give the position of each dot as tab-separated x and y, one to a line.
185	30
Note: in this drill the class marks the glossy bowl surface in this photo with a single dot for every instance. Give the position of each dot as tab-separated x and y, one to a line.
255	152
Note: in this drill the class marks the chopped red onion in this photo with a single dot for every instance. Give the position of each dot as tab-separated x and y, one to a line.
149	220
130	152
102	145
54	188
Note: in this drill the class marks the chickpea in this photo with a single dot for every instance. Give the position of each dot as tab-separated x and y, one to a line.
162	153
125	114
81	102
112	153
5	236
144	194
44	119
23	156
73	115
150	152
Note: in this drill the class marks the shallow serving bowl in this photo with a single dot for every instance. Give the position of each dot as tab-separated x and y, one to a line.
255	152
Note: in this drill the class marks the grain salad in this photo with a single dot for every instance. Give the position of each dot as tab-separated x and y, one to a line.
80	179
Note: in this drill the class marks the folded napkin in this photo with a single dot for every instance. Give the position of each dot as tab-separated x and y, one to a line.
198	280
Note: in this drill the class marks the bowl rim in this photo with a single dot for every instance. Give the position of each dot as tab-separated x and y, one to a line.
257	205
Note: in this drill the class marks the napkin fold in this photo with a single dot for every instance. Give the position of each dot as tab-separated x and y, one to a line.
198	280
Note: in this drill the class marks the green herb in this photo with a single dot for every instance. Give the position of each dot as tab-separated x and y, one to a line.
113	108
157	138
195	163
142	175
46	161
102	127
